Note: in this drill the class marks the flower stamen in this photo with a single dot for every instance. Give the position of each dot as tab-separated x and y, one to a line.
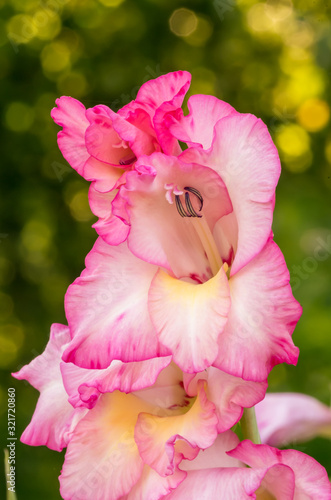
189	206
180	208
190	210
200	225
197	194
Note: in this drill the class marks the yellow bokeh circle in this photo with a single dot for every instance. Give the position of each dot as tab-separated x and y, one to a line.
257	18
21	29
293	140
183	22
201	34
294	144
55	57
278	10
48	24
79	207
313	114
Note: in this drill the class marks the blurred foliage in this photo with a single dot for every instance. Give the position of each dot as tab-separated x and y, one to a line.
269	58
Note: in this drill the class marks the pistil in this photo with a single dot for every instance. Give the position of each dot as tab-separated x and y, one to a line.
208	243
198	221
201	227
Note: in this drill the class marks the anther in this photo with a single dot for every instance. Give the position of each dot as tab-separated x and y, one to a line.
189	206
190	211
197	194
180	208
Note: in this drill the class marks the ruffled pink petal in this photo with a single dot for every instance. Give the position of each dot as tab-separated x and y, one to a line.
158	233
243	154
54	417
228	393
152	486
278	482
215	455
84	386
70	114
137	122
165	88
261	320
105	176
227	483
102	459
197	128
272	474
160	97
102	140
189	318
164	117
134	125
292	417
100	203
155	436
112	291
311	479
167	392
112	229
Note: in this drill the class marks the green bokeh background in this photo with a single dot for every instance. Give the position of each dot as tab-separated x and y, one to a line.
272	59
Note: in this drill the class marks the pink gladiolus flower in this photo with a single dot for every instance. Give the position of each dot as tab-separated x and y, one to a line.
187	237
133	310
102	145
130	425
198	223
183	309
272	474
285	418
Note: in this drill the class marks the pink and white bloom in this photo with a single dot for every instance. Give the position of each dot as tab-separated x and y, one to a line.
134	310
196	218
239	150
220	472
291	417
94	140
102	145
133	444
128	427
125	436
202	221
182	311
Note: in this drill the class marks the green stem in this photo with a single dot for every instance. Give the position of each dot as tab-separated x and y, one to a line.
249	426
